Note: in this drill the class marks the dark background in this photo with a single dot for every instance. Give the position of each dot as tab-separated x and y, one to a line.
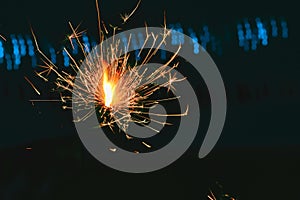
257	156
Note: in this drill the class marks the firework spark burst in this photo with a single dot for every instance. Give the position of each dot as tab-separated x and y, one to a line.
110	82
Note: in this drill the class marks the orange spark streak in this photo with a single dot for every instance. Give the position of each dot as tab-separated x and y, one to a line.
127	16
35	89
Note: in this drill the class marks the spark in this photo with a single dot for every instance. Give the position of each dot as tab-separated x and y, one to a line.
2	37
73	35
113	149
104	26
44	100
147	145
125	17
211	196
128	136
35	89
99	20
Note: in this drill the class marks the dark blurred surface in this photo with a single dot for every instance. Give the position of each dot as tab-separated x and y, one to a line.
257	156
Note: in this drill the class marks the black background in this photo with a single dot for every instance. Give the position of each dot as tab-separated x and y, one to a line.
257	156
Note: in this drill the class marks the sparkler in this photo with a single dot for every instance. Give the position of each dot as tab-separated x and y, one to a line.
122	95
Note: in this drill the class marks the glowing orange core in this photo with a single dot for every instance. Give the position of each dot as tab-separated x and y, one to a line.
108	88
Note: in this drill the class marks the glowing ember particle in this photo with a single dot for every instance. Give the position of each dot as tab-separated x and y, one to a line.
113	149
